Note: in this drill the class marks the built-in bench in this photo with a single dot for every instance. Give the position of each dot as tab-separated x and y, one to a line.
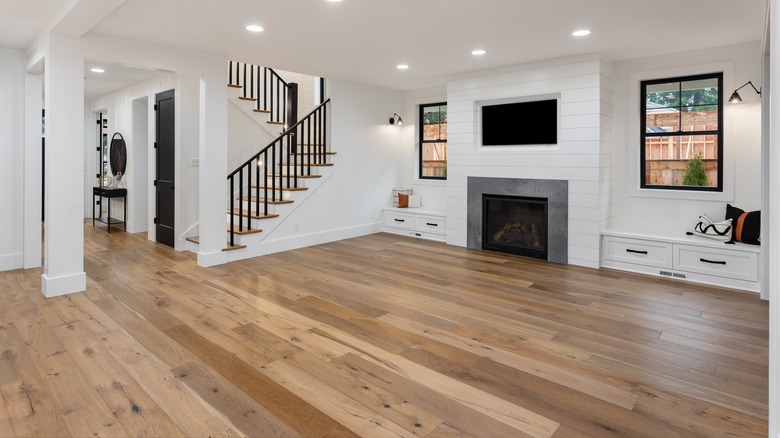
416	222
689	258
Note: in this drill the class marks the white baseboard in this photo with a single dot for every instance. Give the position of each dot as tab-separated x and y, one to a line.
273	246
208	259
63	285
11	261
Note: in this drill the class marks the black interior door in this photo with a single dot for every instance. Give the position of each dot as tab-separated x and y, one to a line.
166	171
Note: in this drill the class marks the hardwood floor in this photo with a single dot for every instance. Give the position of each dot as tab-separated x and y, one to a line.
376	336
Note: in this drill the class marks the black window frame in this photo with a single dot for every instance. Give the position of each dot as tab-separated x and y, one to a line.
644	135
422	141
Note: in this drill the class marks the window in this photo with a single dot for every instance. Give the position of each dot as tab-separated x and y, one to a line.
682	133
433	141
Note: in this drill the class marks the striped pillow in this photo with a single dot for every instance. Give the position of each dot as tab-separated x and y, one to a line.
746	226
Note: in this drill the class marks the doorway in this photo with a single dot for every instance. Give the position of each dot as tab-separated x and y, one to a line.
165	147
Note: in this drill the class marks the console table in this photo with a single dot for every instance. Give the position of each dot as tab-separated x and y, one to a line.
108	193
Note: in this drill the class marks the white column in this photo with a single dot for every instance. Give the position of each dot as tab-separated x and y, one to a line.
33	103
772	245
213	166
64	233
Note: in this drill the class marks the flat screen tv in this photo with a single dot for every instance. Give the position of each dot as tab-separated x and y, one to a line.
520	123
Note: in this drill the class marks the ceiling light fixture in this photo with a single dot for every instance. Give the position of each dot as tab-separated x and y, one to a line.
97	70
254	28
581	33
334	1
396	118
478	52
736	98
402	66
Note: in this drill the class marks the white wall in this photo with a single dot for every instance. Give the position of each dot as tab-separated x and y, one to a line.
581	156
350	202
308	90
673	214
433	193
246	136
12	161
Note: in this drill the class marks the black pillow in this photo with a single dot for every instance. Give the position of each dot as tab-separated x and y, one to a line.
745	226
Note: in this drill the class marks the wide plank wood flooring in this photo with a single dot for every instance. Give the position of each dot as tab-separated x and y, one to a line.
378	336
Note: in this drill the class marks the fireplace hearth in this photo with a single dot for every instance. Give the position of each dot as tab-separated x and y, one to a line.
515	224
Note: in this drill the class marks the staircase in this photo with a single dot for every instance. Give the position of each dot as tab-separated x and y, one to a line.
270	184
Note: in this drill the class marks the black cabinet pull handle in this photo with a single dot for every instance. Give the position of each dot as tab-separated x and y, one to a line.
431	225
635	251
714	262
400	220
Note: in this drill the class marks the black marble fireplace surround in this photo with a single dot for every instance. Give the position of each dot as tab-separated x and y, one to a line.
556	192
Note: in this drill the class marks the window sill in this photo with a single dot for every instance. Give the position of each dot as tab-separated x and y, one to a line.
686	195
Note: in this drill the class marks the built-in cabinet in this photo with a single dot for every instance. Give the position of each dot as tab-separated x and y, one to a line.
689	258
416	223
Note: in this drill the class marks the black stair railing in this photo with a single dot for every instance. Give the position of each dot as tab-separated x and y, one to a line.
278	166
270	91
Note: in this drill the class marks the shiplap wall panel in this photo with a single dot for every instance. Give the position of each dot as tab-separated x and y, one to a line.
582	155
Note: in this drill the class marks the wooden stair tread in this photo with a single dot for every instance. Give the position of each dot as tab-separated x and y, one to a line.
196	240
277	202
314	153
254	216
244	231
234	86
251	99
284	189
262	111
276	175
272	122
309	164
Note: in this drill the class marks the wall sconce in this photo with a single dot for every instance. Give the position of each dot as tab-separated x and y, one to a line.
396	118
735	97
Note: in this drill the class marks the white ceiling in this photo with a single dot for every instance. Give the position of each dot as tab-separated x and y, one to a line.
364	40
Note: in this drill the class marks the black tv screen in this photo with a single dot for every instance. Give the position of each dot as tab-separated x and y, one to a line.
520	123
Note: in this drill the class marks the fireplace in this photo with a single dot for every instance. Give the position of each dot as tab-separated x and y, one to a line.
515	224
554	193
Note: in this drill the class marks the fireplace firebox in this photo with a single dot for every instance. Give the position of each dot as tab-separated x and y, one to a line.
515	224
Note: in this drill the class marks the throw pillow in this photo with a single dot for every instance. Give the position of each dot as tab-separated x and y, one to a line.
746	225
403	200
414	201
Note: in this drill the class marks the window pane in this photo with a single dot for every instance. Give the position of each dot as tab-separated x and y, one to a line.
668	160
662	120
699	120
434	160
663	95
434	121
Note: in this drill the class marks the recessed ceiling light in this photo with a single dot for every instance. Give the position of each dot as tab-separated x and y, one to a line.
581	33
334	1
402	66
254	28
478	52
97	70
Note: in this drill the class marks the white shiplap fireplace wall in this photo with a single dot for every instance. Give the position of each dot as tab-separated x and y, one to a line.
582	156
